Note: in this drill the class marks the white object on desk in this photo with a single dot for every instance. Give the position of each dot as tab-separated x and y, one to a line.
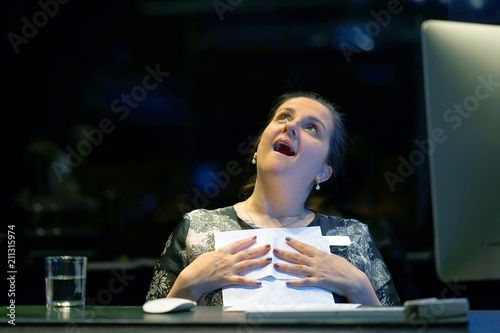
164	305
262	308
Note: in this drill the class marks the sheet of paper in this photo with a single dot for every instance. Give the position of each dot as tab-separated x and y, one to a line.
273	290
292	308
275	237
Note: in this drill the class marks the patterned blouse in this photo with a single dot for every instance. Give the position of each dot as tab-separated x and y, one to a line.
195	236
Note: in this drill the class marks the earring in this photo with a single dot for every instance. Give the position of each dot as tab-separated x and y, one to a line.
317	183
254	160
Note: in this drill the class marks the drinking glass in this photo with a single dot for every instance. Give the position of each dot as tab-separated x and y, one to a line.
65	282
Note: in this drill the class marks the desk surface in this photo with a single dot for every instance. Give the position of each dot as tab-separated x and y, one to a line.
214	319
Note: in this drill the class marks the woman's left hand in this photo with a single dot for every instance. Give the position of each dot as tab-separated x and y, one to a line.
327	271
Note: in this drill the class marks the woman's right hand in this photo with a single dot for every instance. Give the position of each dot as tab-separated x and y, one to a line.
214	270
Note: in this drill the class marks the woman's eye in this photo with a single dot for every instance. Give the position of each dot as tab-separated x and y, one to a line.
312	128
284	117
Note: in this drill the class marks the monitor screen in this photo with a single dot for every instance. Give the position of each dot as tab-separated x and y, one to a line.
461	64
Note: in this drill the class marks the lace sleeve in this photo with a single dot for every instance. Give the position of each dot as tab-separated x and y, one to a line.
364	254
170	263
388	295
379	275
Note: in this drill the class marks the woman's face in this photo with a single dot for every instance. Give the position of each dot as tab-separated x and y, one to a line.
296	141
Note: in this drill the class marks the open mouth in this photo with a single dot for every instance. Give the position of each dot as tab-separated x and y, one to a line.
283	148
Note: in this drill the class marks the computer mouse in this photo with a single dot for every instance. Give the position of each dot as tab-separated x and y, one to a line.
164	305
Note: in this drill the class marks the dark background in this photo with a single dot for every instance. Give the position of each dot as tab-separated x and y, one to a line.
120	202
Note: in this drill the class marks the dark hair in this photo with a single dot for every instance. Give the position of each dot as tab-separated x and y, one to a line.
337	148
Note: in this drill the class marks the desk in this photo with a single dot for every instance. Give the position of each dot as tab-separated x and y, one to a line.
30	318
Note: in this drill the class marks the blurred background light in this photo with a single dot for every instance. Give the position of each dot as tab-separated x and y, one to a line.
203	175
477	4
352	34
149	203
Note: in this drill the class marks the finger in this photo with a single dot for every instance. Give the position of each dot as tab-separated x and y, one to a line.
310	282
306	282
301	247
294	269
243	281
250	264
237	246
253	252
294	257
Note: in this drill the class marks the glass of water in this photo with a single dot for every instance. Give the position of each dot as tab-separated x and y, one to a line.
65	282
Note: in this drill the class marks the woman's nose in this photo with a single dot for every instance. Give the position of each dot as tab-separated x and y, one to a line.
291	127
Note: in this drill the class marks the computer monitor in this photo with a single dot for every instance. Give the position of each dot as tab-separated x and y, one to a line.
461	64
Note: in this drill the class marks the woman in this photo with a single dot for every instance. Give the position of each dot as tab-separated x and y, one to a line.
301	148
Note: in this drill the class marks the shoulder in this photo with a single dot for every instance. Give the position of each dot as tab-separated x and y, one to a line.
201	214
212	219
335	225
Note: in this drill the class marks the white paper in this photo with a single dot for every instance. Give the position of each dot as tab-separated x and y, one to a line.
337	240
275	237
273	290
292	308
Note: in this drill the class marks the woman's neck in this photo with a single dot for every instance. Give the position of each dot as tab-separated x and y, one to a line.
277	204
